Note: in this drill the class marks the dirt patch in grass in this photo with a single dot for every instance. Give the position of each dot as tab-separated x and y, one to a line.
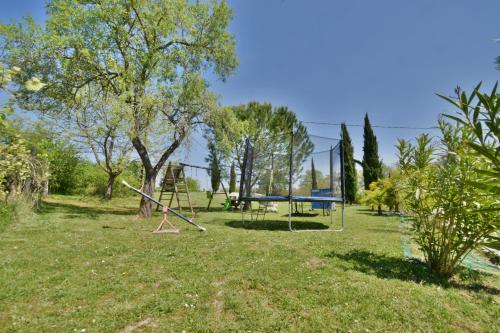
314	263
467	327
218	303
138	326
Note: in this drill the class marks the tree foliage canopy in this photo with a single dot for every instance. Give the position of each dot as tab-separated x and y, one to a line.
22	170
150	56
269	129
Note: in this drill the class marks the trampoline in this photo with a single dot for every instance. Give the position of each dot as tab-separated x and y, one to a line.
291	170
293	198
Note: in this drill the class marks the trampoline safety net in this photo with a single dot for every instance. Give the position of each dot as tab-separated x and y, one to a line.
297	167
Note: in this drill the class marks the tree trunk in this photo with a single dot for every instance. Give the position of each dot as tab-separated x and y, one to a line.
146	207
150	171
12	190
45	191
379	209
109	189
210	200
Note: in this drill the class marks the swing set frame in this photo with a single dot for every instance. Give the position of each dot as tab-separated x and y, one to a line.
212	193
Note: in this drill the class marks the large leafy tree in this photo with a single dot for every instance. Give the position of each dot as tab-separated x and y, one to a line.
100	124
269	129
350	178
372	166
151	55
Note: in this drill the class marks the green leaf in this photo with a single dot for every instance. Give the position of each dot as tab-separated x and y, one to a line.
459	120
449	100
34	84
495	244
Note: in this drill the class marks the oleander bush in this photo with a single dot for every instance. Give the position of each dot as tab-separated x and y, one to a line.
450	216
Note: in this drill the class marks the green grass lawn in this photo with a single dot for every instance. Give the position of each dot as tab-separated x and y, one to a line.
88	266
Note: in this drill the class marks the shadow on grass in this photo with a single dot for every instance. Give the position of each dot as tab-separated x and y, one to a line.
366	210
276	225
383	230
216	208
75	211
387	267
302	215
369	212
111	227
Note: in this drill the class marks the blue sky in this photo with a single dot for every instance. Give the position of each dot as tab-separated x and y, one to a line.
333	61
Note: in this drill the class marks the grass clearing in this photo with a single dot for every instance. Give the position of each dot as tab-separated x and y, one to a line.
84	264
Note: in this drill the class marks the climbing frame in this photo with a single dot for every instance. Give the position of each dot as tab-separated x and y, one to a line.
174	185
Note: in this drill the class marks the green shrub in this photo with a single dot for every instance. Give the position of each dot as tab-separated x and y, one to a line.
92	180
63	164
450	215
18	209
375	195
22	173
478	116
62	156
193	184
6	215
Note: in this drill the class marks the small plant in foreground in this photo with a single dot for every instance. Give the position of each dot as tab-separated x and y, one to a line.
450	216
374	196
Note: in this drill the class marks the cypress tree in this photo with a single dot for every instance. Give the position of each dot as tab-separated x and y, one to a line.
215	171
314	179
372	166
350	178
232	179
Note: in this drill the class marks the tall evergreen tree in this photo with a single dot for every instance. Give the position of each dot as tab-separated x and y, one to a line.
232	179
372	166
350	178
314	185
214	165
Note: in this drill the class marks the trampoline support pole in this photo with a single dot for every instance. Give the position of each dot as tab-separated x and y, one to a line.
241	210
331	212
343	205
342	178
290	184
251	212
